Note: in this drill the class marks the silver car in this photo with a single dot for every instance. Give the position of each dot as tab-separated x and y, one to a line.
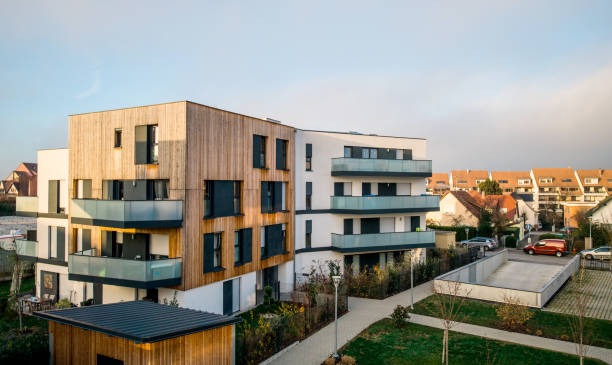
488	243
598	253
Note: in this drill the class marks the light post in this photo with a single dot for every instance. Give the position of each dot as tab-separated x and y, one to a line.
411	282
336	280
590	233
467	233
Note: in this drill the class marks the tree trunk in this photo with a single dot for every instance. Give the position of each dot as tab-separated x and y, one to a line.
17	275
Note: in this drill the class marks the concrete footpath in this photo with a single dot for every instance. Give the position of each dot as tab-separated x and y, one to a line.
363	312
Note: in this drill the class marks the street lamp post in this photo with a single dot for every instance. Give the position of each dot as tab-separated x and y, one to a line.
411	281
336	280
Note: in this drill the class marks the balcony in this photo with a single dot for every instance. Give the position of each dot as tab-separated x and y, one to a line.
26	206
27	249
382	241
378	167
85	266
384	204
127	213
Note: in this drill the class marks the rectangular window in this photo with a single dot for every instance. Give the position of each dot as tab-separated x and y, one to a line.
157	189
237	197
386	154
222	198
338	189
524	181
237	247
259	151
348	226
366	189
243	246
212	252
308	195
281	154
208	191
347	152
273	240
407	154
566	180
117	138
462	182
54	197
308	237
369	152
146	144
308	157
546	180
273	196
83	189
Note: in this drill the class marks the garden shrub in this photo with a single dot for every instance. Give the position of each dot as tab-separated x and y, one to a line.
63	304
512	315
510	241
268	294
30	346
400	315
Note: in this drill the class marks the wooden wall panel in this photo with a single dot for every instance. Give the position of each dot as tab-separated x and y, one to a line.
75	346
220	147
196	143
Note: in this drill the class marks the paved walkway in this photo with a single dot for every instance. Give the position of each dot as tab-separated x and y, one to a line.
364	312
598	286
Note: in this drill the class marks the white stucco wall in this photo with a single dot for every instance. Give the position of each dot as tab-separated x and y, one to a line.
52	165
72	290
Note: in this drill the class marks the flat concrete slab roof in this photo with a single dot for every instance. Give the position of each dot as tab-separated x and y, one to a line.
522	275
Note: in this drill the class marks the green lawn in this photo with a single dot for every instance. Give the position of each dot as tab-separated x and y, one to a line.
552	325
26	285
382	343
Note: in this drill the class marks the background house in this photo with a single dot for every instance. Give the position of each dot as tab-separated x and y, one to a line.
462	208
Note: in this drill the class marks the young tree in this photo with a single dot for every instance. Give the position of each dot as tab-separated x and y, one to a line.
448	303
18	268
485	228
580	301
500	222
490	187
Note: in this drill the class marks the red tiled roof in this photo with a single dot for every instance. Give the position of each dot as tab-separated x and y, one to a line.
512	178
469	176
558	175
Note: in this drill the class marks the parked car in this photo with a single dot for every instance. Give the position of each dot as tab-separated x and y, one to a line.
599	253
547	246
488	243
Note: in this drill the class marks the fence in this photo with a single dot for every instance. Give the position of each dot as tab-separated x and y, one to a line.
597	264
380	284
270	328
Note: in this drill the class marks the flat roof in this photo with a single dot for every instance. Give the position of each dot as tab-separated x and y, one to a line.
358	134
139	321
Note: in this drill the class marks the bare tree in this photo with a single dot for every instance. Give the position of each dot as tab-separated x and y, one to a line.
580	300
18	268
448	303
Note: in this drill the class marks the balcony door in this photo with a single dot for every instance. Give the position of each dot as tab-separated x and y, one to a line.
370	225
415	222
387	189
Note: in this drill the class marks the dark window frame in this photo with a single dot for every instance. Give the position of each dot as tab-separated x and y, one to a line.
117	137
308	234
308	195
308	156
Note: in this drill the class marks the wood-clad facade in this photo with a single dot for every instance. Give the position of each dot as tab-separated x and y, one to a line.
72	345
196	143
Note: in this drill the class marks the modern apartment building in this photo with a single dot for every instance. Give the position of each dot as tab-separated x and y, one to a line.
467	180
359	199
513	181
595	184
437	184
176	198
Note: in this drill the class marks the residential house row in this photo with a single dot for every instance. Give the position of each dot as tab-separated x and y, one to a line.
20	182
182	200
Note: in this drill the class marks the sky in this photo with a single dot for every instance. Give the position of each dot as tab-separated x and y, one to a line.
491	85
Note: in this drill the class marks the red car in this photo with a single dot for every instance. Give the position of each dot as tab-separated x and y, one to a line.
547	247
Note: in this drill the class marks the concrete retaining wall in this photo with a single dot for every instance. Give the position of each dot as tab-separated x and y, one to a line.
471	277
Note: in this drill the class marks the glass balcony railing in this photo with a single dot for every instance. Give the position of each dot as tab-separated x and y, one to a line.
372	167
26	206
389	204
26	248
85	266
383	241
128	213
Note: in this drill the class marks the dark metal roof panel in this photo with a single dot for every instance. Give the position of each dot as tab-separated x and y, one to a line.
140	321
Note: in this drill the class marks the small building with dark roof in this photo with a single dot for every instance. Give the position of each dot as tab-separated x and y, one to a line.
139	332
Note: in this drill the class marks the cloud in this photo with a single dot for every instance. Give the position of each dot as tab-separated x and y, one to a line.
95	87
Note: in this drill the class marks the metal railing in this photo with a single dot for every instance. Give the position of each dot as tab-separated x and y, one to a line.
372	241
370	165
127	210
407	202
86	263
